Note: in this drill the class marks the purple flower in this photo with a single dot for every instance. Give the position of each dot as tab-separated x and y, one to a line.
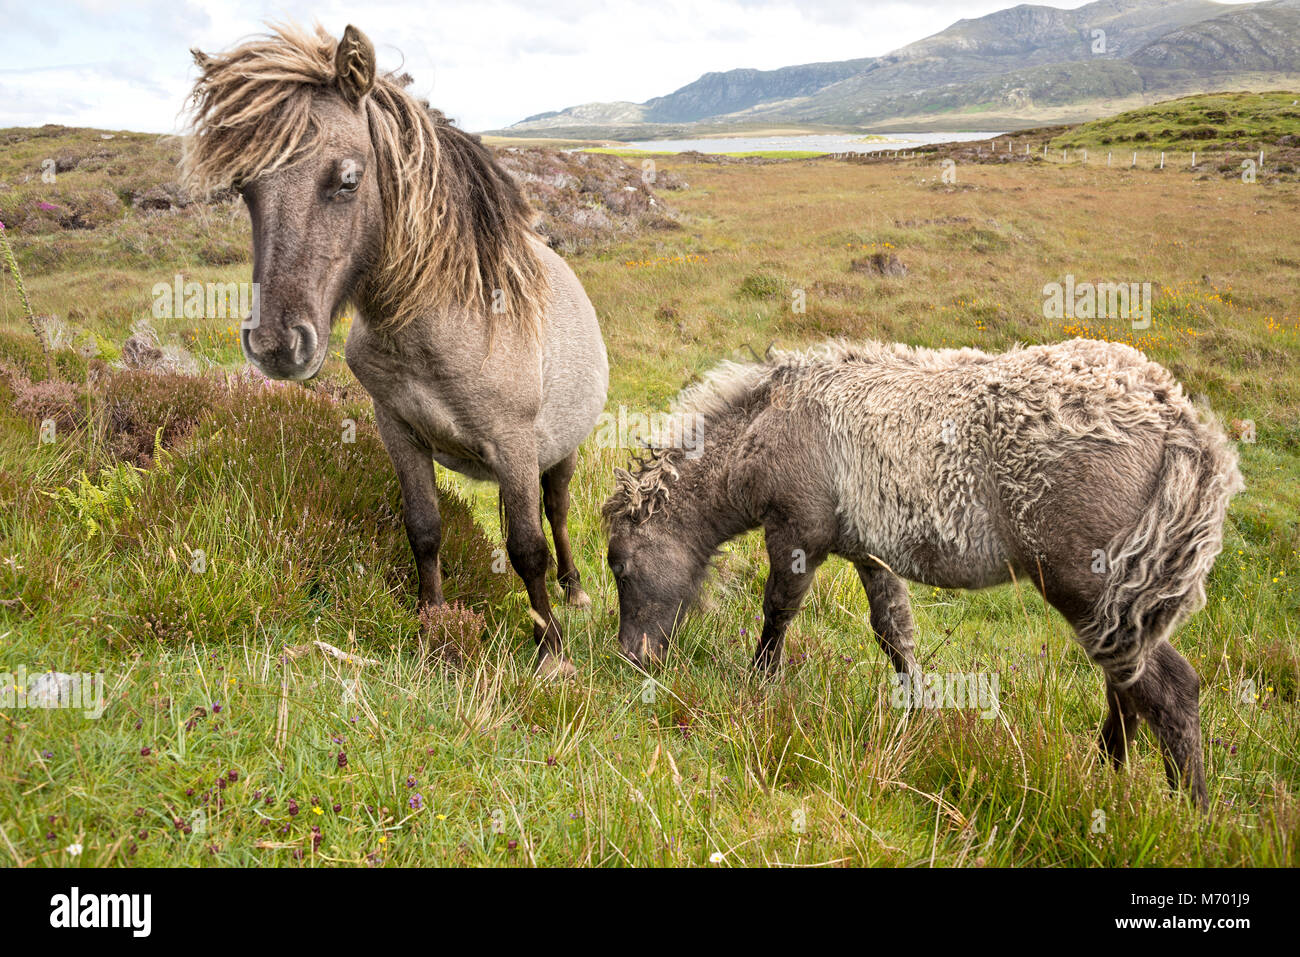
416	802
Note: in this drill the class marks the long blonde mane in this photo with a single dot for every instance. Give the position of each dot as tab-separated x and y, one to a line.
457	230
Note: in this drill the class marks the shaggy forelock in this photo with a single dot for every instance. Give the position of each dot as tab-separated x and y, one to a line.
251	109
639	494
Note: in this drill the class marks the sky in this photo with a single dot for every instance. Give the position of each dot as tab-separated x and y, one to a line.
485	63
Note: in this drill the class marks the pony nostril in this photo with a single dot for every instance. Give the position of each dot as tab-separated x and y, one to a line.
304	343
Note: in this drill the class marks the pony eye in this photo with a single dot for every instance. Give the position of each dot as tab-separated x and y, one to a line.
349	177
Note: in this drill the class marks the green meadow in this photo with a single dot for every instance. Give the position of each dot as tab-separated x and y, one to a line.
192	532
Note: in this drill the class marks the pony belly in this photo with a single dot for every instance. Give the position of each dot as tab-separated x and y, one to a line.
575	384
942	565
959	546
467	467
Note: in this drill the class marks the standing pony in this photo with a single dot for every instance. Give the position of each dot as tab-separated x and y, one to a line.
1080	466
476	342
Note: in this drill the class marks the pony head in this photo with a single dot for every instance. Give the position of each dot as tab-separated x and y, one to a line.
357	192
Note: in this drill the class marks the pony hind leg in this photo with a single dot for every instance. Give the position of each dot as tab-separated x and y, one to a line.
1165	693
891	616
555	498
1120	729
1167	696
516	471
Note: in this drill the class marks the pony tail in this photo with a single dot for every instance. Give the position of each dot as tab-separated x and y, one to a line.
1157	573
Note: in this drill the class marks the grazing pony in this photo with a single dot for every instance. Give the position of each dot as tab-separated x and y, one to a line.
476	342
1080	466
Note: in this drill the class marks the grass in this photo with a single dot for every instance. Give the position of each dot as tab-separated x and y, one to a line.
1206	122
228	739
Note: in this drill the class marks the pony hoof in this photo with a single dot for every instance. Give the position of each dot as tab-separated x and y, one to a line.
556	668
577	598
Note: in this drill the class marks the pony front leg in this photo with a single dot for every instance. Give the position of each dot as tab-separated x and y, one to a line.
415	473
792	565
516	470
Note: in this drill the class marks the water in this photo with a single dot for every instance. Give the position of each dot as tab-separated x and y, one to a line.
819	143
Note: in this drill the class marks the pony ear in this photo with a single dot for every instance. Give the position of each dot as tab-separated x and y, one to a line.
354	65
201	58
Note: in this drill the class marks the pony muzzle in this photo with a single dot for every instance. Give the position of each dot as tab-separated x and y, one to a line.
290	353
642	650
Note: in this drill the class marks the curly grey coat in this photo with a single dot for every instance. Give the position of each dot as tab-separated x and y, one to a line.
1080	465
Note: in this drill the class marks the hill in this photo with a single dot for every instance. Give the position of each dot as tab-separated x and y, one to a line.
1210	122
1014	68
